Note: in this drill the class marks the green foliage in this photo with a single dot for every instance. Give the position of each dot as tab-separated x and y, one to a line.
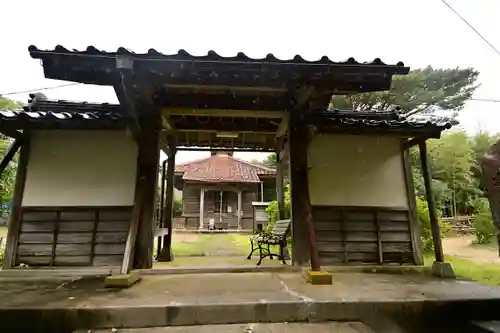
484	228
9	175
480	144
455	166
177	206
270	161
8	104
272	209
422	91
425	224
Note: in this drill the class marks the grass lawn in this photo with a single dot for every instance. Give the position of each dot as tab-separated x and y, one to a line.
488	274
3	231
197	249
489	246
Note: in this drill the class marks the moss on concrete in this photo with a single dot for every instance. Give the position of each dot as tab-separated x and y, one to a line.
319	277
121	281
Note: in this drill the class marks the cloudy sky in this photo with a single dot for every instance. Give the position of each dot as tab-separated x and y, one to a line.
417	32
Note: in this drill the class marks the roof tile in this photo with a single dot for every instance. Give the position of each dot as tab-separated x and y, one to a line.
222	168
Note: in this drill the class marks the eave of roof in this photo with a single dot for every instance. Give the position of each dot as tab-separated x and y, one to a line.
94	66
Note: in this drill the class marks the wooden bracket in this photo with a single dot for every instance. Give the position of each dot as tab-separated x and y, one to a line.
9	155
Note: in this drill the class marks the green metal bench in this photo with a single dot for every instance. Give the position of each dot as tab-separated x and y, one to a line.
276	236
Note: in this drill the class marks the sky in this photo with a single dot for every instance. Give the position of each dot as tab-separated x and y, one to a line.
417	32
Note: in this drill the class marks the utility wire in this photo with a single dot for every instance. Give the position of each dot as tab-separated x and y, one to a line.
472	27
39	89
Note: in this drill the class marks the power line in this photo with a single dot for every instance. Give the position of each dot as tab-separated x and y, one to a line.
472	27
40	89
489	100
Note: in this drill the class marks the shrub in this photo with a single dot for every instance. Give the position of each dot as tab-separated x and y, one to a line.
425	225
272	209
484	228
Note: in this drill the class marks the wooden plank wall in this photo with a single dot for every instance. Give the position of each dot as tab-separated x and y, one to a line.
362	235
71	236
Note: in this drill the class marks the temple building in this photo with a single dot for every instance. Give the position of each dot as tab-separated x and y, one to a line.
218	192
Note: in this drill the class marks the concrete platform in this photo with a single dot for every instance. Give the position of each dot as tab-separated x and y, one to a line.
174	300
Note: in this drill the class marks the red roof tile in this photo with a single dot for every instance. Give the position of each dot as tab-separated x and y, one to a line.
222	168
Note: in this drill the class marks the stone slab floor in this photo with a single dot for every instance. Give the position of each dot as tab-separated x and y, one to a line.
337	327
208	289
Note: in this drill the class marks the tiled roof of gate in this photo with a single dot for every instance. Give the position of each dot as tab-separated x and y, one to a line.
223	168
209	56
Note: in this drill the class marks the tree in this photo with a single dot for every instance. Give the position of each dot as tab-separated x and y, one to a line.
8	176
8	104
270	161
481	143
424	90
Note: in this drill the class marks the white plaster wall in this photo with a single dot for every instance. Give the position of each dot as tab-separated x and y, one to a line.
355	170
81	168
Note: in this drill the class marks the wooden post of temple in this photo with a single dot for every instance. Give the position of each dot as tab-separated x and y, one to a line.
439	268
239	209
202	206
147	183
162	201
436	233
279	182
166	253
303	233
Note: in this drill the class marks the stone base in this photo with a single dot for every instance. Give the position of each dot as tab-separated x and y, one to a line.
121	281
319	277
443	270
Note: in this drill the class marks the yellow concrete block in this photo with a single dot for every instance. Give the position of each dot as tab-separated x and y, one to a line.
121	281
319	277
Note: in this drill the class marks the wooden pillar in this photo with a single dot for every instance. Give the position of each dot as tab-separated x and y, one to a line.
202	206
146	187
239	209
280	194
166	253
304	247
436	233
162	199
416	242
17	199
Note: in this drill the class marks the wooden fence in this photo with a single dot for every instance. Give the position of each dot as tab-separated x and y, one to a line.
461	225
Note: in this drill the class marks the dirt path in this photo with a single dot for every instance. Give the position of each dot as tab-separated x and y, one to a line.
460	246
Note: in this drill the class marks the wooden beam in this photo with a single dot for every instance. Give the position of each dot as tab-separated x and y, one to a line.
147	182
11	132
162	199
412	142
17	199
9	155
166	123
223	113
416	242
283	126
128	255
166	253
280	191
436	233
202	207
239	209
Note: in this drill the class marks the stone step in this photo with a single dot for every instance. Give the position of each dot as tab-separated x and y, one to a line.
328	327
485	326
